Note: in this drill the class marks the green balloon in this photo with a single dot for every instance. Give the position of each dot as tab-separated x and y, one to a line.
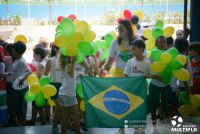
86	48
40	100
156	32
95	48
183	98
63	51
173	52
108	39
67	26
156	54
79	90
159	24
101	44
59	28
175	64
45	80
81	58
104	55
29	96
166	75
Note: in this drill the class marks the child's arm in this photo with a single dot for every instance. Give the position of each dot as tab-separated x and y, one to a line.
72	67
48	67
21	81
39	70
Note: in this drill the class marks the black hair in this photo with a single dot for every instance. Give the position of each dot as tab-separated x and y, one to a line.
53	47
159	37
40	51
9	48
181	44
170	40
194	46
139	43
127	25
19	47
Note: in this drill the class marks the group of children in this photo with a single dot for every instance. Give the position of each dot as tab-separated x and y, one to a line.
65	74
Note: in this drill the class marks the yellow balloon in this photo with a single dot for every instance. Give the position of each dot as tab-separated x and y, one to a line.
113	34
134	28
72	50
157	67
187	110
89	36
62	40
150	44
82	105
82	26
139	14
147	33
112	69
35	88
32	79
168	31
51	102
76	21
20	38
195	100
49	90
182	59
77	38
182	74
165	58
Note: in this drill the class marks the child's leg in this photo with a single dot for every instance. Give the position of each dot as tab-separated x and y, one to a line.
21	117
47	112
42	116
34	115
57	113
73	110
65	118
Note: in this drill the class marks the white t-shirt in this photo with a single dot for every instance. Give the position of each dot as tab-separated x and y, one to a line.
9	68
79	70
137	68
20	68
122	53
68	84
2	68
55	72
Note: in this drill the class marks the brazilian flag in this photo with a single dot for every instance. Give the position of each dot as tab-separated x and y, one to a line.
115	102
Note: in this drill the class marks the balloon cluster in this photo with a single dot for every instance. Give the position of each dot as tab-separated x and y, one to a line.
74	38
169	64
40	90
104	45
191	106
134	18
156	31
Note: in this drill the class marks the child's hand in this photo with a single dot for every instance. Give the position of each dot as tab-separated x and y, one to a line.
147	76
156	77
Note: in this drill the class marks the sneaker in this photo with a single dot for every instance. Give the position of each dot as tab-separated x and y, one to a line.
30	123
83	126
121	131
55	130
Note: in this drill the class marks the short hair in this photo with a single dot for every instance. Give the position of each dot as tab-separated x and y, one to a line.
139	43
40	51
19	47
181	44
194	46
170	40
9	48
159	37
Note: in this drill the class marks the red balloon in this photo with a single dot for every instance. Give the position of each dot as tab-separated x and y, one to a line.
59	18
127	14
1	49
33	69
119	19
72	16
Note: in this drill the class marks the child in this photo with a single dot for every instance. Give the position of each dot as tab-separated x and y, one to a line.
181	44
3	103
194	51
20	69
55	75
67	94
39	56
160	91
138	66
170	42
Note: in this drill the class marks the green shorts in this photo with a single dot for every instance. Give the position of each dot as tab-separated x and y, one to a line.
159	95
